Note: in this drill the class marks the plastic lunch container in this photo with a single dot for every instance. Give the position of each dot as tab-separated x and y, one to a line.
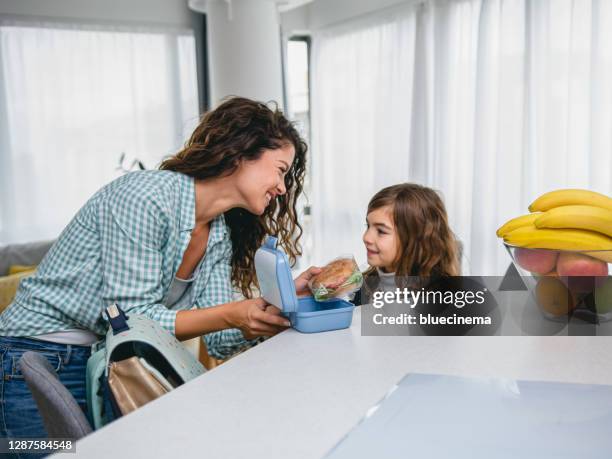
277	287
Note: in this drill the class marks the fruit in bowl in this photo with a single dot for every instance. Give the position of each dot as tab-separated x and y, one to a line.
573	277
603	296
565	246
581	272
577	264
554	297
536	261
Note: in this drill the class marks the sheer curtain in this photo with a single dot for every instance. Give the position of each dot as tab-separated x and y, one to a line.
72	99
491	102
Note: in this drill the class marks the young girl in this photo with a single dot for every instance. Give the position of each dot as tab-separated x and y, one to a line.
407	235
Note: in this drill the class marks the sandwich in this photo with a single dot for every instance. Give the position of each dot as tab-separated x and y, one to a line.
339	278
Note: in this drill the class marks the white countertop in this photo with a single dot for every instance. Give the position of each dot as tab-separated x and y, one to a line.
296	395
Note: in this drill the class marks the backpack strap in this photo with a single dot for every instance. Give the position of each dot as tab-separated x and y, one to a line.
117	319
95	369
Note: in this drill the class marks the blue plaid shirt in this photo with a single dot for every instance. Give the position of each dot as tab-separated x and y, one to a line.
125	246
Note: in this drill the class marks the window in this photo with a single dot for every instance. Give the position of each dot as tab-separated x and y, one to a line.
490	102
74	99
298	103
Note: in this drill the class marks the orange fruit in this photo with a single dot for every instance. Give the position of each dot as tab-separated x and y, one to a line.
553	296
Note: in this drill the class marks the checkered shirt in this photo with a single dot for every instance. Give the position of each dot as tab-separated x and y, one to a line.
125	246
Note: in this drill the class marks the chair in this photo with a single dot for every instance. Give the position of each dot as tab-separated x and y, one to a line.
61	414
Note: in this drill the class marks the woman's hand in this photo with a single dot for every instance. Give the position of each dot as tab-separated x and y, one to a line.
255	317
301	282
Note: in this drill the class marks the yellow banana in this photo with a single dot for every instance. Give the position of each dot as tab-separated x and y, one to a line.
558	239
517	222
579	217
568	197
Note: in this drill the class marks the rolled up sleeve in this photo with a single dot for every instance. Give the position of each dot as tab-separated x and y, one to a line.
224	343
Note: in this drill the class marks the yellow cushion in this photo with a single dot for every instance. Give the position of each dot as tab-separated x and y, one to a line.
9	285
14	269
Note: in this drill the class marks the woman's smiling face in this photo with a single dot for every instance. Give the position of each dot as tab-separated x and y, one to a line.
381	239
261	180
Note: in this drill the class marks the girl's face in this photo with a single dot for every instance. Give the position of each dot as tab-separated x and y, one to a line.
263	179
381	239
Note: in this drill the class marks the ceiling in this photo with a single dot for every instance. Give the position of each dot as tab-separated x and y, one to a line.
283	5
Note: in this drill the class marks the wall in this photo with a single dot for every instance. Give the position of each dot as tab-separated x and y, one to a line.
244	50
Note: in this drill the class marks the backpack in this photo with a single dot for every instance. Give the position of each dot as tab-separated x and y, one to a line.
160	353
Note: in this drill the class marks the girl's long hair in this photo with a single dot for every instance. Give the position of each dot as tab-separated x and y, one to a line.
241	129
427	246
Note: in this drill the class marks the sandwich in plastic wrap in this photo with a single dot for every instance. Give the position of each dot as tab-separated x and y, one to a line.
339	279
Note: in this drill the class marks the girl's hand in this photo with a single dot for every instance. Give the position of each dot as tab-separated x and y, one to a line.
255	318
301	282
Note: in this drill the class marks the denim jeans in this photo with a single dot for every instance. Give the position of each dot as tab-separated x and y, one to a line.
19	417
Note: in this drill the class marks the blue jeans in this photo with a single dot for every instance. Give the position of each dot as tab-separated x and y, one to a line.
19	417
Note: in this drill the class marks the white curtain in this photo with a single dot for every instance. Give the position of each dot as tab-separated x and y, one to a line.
491	102
72	99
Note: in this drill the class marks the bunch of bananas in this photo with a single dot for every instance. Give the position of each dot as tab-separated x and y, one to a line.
569	219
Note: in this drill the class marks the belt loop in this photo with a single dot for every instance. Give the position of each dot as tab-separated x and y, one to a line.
68	352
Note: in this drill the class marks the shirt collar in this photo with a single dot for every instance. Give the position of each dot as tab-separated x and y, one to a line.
386	280
218	227
218	230
381	273
187	202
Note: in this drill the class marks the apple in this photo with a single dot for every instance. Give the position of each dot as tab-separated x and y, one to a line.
537	261
581	272
572	264
603	296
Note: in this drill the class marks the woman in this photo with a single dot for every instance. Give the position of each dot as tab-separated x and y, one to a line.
158	243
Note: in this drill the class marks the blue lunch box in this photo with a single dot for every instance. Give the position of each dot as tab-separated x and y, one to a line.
277	287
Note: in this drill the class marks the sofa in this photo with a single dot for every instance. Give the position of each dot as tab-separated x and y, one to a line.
16	262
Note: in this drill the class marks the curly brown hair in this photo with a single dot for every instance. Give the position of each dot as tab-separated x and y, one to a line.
428	247
241	129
